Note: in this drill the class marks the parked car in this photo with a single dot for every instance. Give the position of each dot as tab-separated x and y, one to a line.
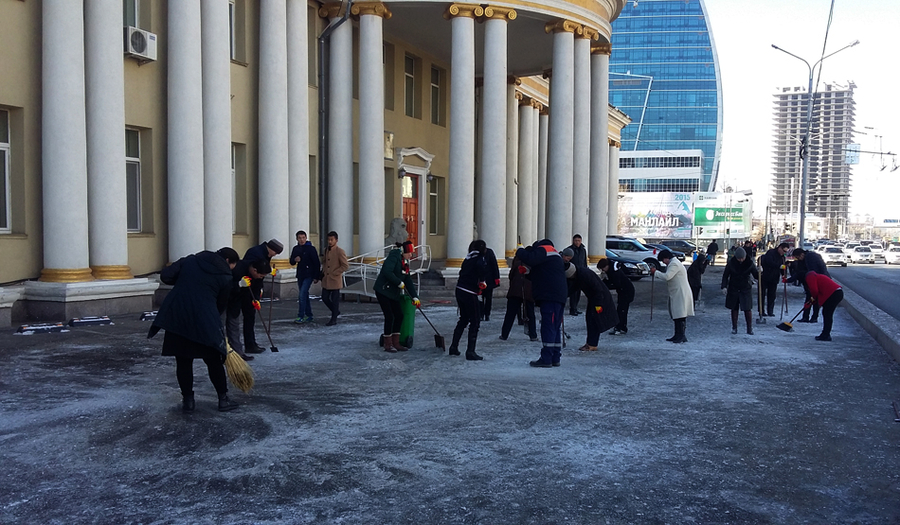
635	270
892	256
808	246
850	246
832	255
862	254
658	247
877	252
679	245
631	250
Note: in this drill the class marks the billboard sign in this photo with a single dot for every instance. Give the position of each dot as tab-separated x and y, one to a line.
663	215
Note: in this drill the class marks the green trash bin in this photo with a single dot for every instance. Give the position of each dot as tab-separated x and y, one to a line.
407	328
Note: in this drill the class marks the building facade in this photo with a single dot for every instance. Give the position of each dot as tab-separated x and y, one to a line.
202	130
831	132
665	75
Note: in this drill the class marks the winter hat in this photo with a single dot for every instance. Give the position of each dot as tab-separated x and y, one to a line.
408	247
568	252
570	270
275	245
740	253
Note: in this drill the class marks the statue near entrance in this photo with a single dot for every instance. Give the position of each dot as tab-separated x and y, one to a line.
398	233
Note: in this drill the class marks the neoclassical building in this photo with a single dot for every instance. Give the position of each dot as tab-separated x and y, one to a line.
132	135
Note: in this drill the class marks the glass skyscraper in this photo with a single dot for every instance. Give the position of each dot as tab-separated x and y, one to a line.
665	75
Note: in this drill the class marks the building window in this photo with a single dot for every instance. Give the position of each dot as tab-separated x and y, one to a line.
133	179
388	60
233	193
131	11
239	188
4	172
412	71
231	35
437	102
237	22
436	225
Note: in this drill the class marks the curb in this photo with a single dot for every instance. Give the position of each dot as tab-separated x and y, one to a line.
881	326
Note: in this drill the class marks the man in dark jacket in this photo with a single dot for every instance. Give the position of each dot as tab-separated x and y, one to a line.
548	287
244	302
695	275
261	252
619	282
805	261
191	316
772	265
601	314
305	256
711	251
492	282
737	281
579	259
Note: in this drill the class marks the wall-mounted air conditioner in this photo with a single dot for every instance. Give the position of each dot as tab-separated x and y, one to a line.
140	44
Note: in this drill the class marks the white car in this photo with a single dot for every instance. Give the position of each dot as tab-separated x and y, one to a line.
862	254
892	256
832	255
877	252
850	246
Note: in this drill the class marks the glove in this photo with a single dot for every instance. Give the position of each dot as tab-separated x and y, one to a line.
256	305
782	267
519	246
274	271
598	309
402	285
482	285
417	302
496	282
244	282
523	269
784	279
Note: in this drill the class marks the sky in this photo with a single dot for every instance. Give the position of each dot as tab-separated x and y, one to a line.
744	32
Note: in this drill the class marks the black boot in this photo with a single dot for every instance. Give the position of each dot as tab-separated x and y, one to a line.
472	356
748	316
187	403
734	322
680	325
676	331
470	348
226	404
453	351
545	361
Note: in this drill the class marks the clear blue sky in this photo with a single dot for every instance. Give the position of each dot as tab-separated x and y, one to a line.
744	31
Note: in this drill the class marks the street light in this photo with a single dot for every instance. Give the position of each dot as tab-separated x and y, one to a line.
804	148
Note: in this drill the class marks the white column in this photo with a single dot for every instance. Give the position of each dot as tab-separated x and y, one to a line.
492	224
185	130
462	132
543	150
535	169
599	152
273	124
562	131
339	197
371	126
63	143
581	162
512	169
527	221
217	190
105	103
613	211
298	116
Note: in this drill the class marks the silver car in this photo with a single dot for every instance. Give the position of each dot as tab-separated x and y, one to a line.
833	255
862	254
877	252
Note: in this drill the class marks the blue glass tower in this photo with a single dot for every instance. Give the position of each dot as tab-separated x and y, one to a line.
664	74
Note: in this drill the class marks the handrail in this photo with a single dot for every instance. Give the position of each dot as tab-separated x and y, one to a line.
364	268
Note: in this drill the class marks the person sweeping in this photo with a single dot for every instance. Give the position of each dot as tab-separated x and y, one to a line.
681	300
737	283
473	276
191	315
828	294
392	281
601	310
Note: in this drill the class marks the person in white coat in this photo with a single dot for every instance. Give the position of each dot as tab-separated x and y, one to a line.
681	299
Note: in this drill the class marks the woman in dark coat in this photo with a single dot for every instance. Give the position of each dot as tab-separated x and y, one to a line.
601	310
473	276
695	274
519	295
191	315
738	285
389	287
619	282
492	282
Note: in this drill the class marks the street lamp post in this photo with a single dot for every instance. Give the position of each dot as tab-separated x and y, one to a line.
804	147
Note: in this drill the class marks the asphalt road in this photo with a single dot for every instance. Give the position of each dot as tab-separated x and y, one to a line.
879	284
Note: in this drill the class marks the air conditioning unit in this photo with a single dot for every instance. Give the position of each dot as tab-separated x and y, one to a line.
140	44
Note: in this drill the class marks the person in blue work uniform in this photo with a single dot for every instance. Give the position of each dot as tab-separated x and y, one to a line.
545	267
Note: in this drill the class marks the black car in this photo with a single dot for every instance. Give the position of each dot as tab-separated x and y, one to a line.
658	247
635	270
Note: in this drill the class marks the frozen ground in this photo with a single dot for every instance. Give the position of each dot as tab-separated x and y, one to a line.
769	428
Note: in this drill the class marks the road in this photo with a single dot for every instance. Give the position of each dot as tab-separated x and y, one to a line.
879	284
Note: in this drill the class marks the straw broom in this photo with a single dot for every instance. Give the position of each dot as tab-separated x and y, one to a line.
238	370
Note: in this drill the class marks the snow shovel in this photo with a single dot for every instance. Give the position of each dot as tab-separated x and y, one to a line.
788	326
761	319
272	346
438	338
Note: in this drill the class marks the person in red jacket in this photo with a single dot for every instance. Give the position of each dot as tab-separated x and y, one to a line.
827	294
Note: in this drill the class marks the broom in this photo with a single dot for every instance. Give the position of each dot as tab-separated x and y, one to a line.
788	326
238	370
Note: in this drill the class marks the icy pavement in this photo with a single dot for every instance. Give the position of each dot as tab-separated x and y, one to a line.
769	428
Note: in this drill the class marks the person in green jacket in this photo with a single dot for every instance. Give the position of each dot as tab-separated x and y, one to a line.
389	287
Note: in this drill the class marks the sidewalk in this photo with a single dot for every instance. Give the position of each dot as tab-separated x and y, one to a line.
770	428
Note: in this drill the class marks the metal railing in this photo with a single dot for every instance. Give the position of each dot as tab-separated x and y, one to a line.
364	269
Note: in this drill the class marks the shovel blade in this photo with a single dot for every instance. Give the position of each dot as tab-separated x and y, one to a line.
273	348
785	327
439	342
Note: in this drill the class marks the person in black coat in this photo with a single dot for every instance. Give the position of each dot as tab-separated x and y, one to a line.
544	265
601	313
806	261
738	286
305	256
244	303
261	252
711	250
191	315
772	266
473	275
519	300
695	275
579	259
492	282
619	282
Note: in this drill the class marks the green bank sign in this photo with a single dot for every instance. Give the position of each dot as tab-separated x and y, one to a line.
717	216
